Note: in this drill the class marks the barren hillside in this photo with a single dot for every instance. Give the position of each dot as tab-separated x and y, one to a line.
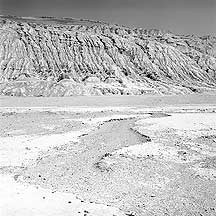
61	57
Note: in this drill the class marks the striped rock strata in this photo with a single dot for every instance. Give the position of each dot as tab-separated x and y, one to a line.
63	57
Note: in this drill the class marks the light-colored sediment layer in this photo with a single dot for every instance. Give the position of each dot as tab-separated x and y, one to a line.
188	122
18	199
181	129
25	149
112	164
21	151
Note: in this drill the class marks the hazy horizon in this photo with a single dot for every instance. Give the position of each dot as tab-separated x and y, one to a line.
184	17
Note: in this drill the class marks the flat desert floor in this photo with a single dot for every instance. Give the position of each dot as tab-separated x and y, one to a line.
108	156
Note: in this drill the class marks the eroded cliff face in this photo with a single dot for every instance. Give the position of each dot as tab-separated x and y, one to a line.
63	57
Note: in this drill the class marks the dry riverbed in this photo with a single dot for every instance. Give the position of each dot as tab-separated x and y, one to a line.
108	160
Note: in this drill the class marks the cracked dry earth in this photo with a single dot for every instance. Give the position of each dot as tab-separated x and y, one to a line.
125	161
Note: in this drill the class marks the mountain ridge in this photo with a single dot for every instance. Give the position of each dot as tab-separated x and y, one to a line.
53	57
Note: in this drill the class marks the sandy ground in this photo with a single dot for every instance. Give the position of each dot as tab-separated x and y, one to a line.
143	156
101	101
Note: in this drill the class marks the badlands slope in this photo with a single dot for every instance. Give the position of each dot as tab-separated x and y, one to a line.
63	57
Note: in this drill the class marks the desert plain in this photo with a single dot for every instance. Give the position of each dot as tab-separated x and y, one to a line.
114	156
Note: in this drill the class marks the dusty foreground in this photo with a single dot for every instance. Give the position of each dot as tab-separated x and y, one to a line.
132	156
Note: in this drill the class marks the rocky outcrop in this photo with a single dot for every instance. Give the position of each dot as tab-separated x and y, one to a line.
62	57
